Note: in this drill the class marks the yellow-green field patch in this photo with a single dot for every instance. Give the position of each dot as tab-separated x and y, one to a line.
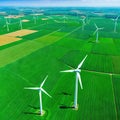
7	39
21	33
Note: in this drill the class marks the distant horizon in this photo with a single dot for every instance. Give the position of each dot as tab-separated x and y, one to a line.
60	3
65	6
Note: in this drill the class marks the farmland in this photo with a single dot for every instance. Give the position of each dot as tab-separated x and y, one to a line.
56	46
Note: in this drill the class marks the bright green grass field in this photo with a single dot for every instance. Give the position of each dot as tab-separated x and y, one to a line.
26	64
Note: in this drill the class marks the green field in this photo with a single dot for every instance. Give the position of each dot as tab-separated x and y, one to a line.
56	47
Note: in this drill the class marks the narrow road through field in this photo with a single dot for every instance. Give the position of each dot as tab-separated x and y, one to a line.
114	98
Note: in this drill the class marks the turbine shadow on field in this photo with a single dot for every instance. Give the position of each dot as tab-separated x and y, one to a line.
65	93
31	113
33	107
91	41
65	107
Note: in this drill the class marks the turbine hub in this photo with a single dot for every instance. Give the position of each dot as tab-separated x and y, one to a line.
77	70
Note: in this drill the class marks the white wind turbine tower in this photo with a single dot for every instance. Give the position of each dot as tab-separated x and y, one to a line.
115	22
87	19
40	90
9	18
50	17
21	26
97	33
7	24
36	14
83	23
34	18
64	17
21	14
78	78
77	12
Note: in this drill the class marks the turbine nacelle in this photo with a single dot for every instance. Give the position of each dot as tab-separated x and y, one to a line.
50	17
73	70
77	70
83	20
64	17
97	28
116	19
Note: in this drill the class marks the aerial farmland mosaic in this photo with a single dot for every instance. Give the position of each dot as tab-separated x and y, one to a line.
59	62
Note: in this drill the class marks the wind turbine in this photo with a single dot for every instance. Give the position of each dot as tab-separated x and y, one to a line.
87	19
40	90
9	18
83	23
77	12
34	18
115	22
56	21
50	17
64	17
78	77
21	26
97	32
7	24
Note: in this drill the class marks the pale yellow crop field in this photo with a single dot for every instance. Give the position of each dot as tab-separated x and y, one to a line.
21	33
13	36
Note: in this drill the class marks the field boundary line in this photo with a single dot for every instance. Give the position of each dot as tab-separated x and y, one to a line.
91	71
116	113
71	32
57	31
50	33
18	75
114	98
36	26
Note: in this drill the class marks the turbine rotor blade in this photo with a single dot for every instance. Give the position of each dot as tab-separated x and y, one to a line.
79	66
64	17
117	18
43	81
50	17
84	18
100	28
67	71
95	31
32	88
96	26
113	19
80	81
70	66
46	92
84	22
